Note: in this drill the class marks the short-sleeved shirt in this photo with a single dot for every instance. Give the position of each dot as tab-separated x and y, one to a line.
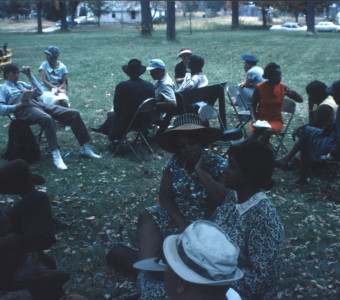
193	82
255	75
53	75
165	87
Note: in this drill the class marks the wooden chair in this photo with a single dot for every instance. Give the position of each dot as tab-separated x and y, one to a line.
209	94
145	107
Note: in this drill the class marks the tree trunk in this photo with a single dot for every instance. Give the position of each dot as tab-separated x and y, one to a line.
99	15
39	8
310	17
62	7
234	16
264	17
74	5
146	18
327	12
296	15
190	15
170	21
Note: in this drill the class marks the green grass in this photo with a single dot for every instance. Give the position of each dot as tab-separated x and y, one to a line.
113	190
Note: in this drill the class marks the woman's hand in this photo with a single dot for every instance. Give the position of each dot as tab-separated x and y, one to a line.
201	161
60	90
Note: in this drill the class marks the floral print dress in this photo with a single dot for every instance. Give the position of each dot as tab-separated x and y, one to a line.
189	193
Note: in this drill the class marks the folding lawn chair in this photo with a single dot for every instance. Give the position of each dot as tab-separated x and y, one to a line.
145	107
288	111
243	116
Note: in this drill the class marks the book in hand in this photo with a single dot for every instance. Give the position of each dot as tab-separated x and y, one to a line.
27	96
261	124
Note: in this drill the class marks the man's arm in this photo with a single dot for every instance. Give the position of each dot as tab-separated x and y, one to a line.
322	116
293	95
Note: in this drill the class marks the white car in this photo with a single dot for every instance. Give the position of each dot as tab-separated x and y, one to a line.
288	27
80	20
327	26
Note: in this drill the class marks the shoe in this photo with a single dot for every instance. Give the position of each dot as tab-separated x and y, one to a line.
86	151
58	161
33	271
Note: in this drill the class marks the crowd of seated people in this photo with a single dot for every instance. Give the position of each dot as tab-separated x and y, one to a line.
201	196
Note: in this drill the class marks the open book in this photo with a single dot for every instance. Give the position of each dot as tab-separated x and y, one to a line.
27	96
261	124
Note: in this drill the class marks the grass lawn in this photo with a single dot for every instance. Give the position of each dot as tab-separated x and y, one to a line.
102	197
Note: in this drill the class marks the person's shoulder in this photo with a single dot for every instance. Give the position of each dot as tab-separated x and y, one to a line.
43	65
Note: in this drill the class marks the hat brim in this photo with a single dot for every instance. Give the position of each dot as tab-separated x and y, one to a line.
183	52
179	267
141	71
246	57
207	135
149	264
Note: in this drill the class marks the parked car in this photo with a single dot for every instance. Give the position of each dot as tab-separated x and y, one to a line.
288	27
327	26
68	20
80	20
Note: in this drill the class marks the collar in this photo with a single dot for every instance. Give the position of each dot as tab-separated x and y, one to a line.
50	69
10	83
164	78
251	202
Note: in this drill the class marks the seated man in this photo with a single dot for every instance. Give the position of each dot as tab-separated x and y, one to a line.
253	77
128	96
26	230
201	264
322	109
39	113
164	94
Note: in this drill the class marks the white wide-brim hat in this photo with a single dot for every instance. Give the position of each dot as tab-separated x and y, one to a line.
196	259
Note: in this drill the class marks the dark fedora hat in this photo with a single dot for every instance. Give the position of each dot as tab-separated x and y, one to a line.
188	125
134	68
15	176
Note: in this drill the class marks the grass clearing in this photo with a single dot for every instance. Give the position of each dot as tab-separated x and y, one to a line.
102	197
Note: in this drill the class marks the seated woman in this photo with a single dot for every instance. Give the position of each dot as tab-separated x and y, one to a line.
317	144
53	75
27	229
186	193
181	67
267	102
252	79
252	222
322	109
194	80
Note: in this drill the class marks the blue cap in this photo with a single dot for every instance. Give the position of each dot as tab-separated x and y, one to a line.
156	64
53	51
248	57
334	90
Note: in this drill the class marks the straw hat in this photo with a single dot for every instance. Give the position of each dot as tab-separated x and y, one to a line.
183	51
189	125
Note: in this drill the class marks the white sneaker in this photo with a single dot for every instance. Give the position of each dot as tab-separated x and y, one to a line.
67	128
86	151
58	161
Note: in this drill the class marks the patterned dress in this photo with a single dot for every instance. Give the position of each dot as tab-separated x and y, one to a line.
255	226
189	193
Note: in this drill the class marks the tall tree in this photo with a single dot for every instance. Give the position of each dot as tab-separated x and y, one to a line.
63	12
310	16
99	8
146	18
292	7
235	16
73	8
171	21
190	6
39	9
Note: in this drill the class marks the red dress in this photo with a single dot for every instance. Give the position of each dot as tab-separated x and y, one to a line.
270	104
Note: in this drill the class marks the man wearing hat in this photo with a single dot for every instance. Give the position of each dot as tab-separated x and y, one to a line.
201	265
253	77
164	94
182	68
128	96
11	95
